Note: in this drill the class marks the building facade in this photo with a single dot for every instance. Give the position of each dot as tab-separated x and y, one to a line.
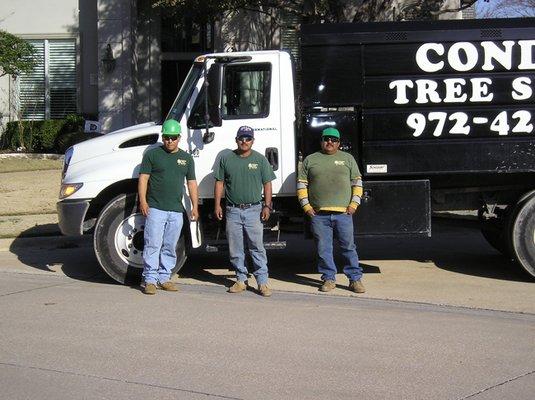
123	61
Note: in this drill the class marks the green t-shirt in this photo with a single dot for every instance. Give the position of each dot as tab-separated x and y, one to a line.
329	179
167	172
244	177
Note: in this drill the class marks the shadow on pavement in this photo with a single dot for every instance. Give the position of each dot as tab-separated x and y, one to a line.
72	256
455	246
43	230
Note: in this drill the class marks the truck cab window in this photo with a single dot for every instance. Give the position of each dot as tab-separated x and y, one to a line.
246	91
196	117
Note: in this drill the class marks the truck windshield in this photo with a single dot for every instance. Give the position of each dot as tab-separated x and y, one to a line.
184	94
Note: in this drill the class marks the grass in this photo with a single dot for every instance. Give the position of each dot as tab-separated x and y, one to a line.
23	164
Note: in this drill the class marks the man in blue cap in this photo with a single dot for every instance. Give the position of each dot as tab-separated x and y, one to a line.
329	188
242	175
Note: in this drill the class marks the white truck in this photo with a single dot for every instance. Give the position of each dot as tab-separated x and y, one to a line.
438	115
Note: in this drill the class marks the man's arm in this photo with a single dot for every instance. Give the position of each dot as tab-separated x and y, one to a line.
302	196
142	184
356	195
194	197
356	186
218	195
268	192
302	188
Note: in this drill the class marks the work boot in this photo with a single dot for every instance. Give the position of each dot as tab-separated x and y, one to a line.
327	286
356	286
238	287
264	290
150	288
168	286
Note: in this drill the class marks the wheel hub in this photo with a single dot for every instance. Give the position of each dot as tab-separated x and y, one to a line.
129	240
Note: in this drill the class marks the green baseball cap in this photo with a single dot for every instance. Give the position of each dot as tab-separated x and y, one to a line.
171	127
331	132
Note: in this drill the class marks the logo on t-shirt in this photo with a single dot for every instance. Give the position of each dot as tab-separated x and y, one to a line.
339	162
253	166
181	162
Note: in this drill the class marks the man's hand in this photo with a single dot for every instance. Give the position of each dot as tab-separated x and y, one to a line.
218	212
311	212
194	214
142	185
144	208
266	212
350	210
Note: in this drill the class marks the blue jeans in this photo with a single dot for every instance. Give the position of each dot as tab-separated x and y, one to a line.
340	226
247	223
162	231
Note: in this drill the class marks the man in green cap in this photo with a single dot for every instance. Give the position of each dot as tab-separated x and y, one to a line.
329	188
161	179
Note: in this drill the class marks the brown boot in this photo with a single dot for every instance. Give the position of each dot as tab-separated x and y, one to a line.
238	287
356	286
264	290
150	288
168	286
328	286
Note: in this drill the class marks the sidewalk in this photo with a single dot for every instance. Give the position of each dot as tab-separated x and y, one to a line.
471	275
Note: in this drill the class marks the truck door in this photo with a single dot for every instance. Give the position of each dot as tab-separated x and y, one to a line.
250	96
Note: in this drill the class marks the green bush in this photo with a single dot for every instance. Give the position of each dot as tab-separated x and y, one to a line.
41	136
50	130
72	127
21	134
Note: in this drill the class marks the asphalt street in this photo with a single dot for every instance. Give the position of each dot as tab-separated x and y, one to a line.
64	338
67	331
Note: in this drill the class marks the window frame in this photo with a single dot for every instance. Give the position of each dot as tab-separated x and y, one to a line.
265	114
46	79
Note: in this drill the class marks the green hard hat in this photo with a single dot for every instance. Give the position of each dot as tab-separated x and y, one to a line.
171	127
331	132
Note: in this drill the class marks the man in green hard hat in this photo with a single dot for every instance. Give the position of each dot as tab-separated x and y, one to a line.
161	179
329	188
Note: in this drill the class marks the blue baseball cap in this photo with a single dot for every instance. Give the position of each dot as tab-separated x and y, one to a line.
245	131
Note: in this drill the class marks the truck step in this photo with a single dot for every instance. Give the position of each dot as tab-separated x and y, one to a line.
217	247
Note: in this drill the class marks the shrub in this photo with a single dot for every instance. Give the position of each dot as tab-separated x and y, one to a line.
41	136
21	134
73	123
48	133
72	127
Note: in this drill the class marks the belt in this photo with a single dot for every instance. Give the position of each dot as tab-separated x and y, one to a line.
324	212
244	205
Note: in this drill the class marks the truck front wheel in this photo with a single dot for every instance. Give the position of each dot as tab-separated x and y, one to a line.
118	240
523	234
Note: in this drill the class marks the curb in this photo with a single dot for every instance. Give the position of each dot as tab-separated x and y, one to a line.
33	156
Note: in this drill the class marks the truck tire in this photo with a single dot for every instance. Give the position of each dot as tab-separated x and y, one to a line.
523	234
118	240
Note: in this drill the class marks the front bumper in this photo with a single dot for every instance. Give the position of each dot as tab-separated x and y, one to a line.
71	215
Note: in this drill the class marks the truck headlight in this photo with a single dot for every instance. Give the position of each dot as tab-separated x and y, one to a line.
67	189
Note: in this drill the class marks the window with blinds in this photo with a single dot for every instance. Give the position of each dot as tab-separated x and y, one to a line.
49	91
